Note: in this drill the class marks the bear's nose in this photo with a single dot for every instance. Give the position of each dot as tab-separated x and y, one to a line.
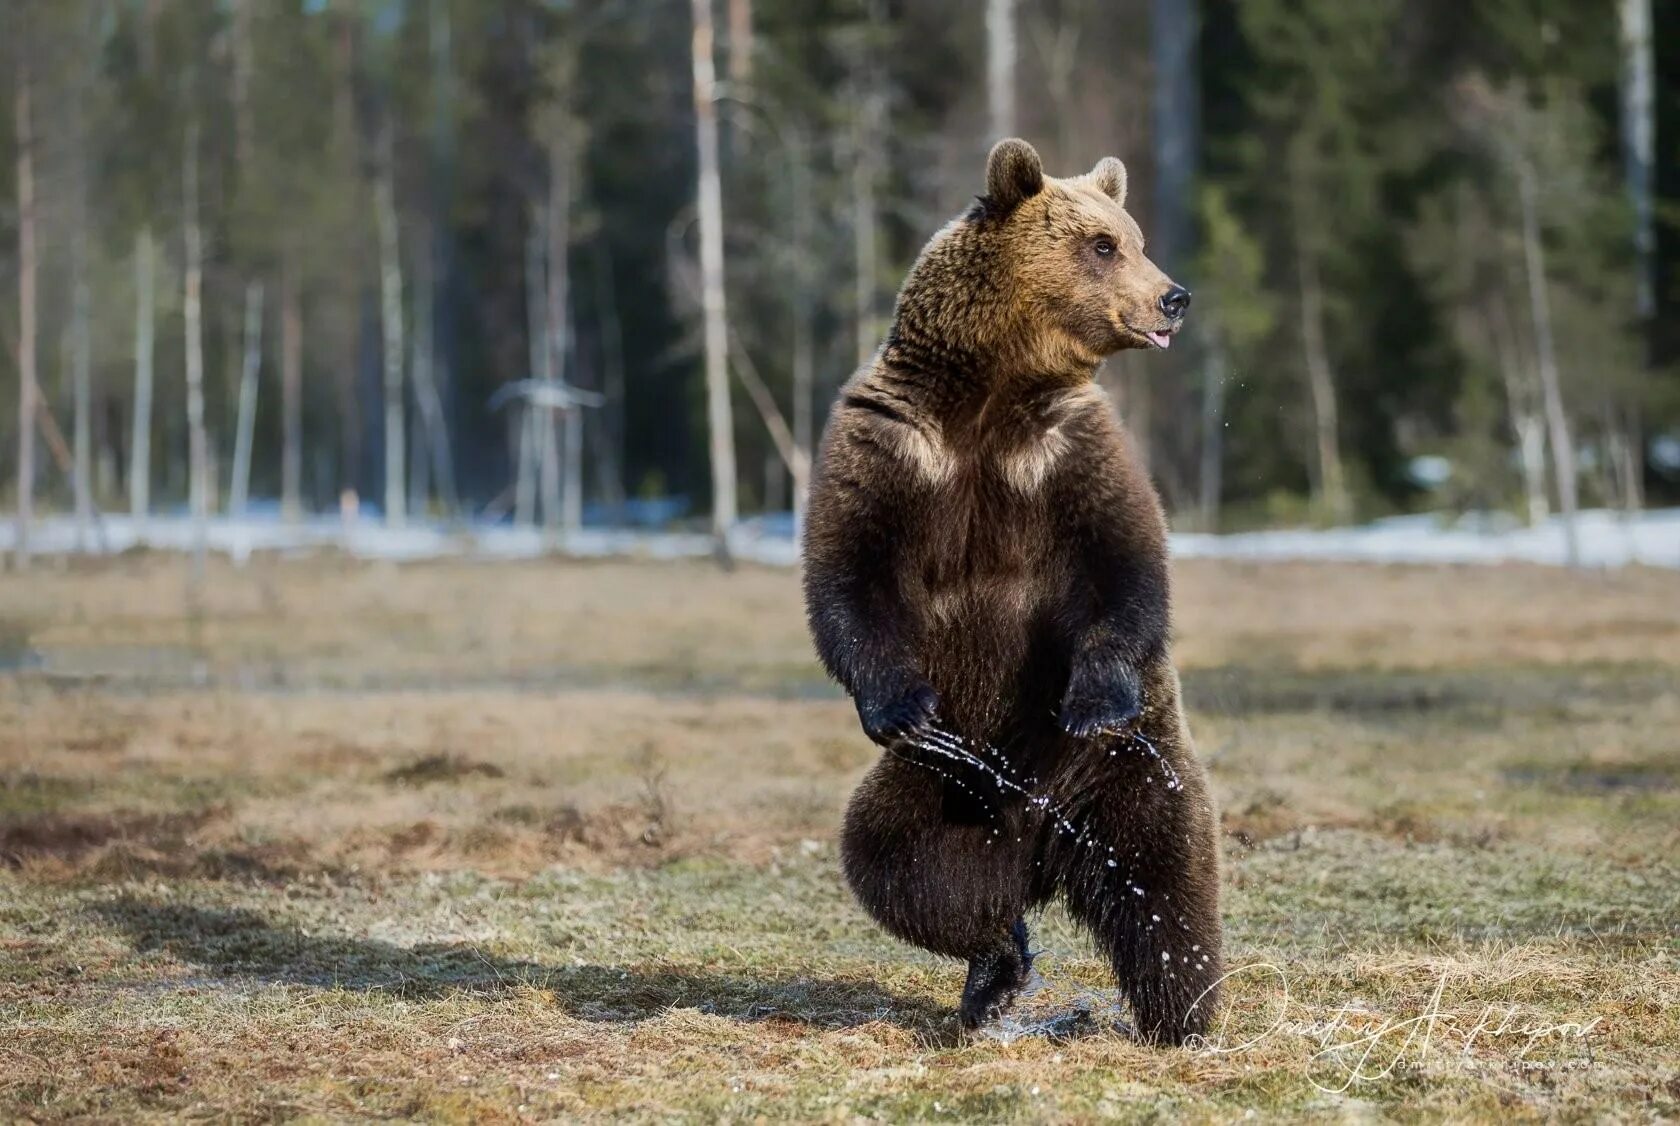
1175	301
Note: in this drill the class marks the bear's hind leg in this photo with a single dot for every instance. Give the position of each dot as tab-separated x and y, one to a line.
996	979
1144	879
937	868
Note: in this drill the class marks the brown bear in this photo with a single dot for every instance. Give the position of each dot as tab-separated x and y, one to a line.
986	575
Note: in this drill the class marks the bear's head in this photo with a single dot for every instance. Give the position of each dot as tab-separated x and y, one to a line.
1044	273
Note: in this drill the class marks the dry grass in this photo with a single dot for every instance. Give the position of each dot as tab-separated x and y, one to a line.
555	841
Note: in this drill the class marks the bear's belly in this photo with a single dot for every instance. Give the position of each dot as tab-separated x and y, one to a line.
989	650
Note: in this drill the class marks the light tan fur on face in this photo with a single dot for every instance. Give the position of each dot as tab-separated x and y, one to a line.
1015	290
1045	235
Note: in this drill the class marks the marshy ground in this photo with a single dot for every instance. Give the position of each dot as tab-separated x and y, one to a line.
527	841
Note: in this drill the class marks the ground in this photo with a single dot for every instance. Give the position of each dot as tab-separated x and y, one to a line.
547	840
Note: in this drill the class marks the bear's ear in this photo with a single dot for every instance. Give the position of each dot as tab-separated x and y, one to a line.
1110	178
1013	173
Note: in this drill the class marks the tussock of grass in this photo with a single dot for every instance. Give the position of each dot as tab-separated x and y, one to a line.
441	768
306	889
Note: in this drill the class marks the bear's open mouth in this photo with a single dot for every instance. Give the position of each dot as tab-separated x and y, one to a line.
1158	337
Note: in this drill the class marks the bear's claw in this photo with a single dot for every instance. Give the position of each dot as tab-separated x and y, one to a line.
1100	702
898	718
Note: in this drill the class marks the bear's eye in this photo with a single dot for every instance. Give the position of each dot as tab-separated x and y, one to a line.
1104	246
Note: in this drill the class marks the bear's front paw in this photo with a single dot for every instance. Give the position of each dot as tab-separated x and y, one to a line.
1101	699
897	717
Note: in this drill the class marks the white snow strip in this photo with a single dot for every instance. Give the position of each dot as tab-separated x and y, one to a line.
1607	539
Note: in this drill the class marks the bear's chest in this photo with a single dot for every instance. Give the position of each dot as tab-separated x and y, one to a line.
987	549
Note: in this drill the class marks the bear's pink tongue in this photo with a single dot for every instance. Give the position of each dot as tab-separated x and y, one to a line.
1159	339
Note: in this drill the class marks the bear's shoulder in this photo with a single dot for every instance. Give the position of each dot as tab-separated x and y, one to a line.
878	425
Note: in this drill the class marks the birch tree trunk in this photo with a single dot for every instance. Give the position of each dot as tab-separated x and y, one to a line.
781	437
291	394
27	375
198	446
740	45
1321	378
1527	426
1001	55
81	362
391	332
865	218
1331	482
804	332
239	489
537	356
1557	420
611	424
719	416
1639	142
868	124
1638	150
560	512
425	389
421	437
571	512
145	328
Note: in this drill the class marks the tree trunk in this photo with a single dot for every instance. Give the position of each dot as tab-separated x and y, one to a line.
439	335
1639	143
1331	482
1176	116
611	424
1527	427
347	307
530	426
240	488
740	45
1638	152
1210	478
1001	55
804	331
145	329
81	342
1321	379
1557	420
792	456
198	446
571	512
719	416
243	69
426	392
1633	461
422	438
865	170
560	512
291	395
391	332
27	376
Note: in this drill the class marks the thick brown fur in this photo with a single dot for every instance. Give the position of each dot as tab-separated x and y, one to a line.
984	557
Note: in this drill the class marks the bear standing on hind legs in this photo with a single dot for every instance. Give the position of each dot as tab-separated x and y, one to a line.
986	575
